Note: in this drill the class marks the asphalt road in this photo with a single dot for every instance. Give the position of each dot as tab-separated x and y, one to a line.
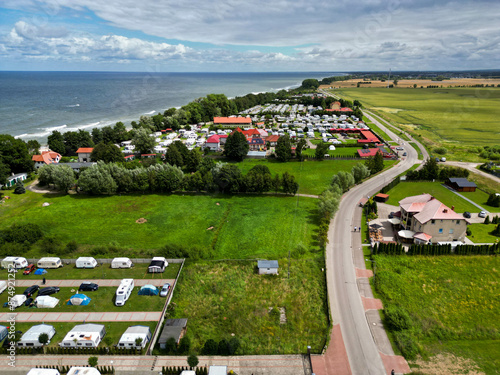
345	300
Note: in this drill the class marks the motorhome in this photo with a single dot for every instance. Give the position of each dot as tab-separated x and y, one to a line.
129	337
121	263
49	262
84	336
157	265
123	292
86	262
30	338
14	262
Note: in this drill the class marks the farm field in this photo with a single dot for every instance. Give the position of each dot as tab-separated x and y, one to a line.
102	300
407	83
242	226
460	119
481	233
114	330
452	302
225	298
70	272
407	189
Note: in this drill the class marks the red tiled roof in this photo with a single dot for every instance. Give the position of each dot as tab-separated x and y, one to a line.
232	120
382	195
148	154
129	156
84	150
273	138
422	236
47	157
366	134
213	139
367	152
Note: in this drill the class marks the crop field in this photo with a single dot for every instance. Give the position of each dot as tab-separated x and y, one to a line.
453	303
114	330
407	189
239	226
225	298
102	300
460	119
407	83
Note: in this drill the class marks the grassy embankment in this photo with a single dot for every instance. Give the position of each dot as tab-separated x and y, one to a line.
459	119
452	301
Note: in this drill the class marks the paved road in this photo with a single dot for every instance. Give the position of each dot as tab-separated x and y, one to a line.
345	300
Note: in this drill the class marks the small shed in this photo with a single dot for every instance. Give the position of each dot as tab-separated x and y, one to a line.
267	267
461	184
175	328
380	197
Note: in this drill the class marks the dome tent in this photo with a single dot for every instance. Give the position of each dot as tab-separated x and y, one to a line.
79	300
148	290
46	302
41	271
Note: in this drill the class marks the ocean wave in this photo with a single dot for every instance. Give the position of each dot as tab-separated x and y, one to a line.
51	129
73	105
32	135
150	112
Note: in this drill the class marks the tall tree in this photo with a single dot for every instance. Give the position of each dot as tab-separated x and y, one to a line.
108	153
299	148
15	154
56	142
236	147
321	150
360	172
64	177
143	141
283	148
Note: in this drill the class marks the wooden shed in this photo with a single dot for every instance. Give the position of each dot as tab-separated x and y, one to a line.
461	184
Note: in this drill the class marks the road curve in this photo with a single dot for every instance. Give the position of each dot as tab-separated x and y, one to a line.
345	300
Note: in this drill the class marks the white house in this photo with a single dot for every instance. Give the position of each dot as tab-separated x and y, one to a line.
213	143
12	180
129	337
30	338
267	267
84	154
46	158
84	336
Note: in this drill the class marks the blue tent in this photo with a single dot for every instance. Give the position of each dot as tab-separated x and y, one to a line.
40	271
148	290
79	300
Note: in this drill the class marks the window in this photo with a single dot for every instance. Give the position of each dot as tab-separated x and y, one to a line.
440	230
433	221
458	221
88	344
451	231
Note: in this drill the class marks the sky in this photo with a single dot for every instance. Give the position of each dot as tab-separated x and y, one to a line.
249	35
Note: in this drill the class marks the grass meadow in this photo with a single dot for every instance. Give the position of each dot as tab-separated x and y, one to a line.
453	303
481	233
242	226
460	119
225	298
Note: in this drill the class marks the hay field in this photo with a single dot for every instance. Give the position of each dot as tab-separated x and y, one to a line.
406	83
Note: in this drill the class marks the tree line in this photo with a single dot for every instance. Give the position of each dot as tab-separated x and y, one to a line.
397	249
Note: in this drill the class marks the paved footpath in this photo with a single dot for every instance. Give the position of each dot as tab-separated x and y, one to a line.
46	316
101	282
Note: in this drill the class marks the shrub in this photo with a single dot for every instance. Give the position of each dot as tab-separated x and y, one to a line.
234	345
397	318
192	360
93	361
406	344
440	150
184	346
21	233
487	220
210	347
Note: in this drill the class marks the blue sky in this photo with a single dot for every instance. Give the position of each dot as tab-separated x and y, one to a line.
251	35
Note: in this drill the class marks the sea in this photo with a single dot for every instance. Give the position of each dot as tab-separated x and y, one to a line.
33	104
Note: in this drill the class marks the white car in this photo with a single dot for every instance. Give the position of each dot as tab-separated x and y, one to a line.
164	290
482	214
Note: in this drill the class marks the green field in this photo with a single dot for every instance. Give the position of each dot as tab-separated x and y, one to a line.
224	298
114	330
453	301
460	119
480	197
242	226
407	189
481	233
70	272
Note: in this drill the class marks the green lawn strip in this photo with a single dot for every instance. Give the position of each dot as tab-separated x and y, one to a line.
481	233
102	300
114	330
175	219
407	189
225	298
70	272
420	156
376	129
480	197
339	151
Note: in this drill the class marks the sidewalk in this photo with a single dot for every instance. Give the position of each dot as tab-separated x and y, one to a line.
80	317
101	282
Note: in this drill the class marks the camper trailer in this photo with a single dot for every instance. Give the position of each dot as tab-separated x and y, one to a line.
121	263
84	336
129	337
3	286
83	371
43	371
123	292
157	265
30	338
14	262
49	262
86	262
17	301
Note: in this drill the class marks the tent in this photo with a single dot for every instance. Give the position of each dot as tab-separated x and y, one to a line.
41	271
148	290
79	300
46	302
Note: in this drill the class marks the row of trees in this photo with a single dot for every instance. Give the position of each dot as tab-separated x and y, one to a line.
432	171
397	249
15	157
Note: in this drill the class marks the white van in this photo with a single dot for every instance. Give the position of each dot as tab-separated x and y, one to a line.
14	262
121	263
123	292
86	262
49	262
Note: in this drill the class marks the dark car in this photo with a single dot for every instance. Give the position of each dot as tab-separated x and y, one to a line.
391	215
88	286
467	215
31	290
48	291
6	342
28	302
29	269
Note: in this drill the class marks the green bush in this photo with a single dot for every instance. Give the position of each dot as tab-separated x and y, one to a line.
397	318
440	150
406	344
21	233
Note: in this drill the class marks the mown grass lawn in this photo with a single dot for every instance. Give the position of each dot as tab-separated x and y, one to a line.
225	298
114	330
243	226
407	189
452	300
480	197
70	272
102	300
480	233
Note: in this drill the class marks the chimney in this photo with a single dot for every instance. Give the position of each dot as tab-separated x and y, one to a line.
432	198
453	208
445	210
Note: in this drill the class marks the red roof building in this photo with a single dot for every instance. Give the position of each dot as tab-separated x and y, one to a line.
45	158
232	121
368	152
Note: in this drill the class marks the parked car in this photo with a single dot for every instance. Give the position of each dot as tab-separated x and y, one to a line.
467	215
164	290
31	290
87	286
29	269
391	215
28	302
404	153
6	342
48	291
482	214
